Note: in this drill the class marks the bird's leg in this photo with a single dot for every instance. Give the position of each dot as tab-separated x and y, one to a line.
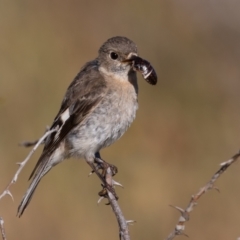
107	182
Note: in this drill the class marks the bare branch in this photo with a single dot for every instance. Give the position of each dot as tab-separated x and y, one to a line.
108	191
109	172
23	163
122	222
185	213
6	191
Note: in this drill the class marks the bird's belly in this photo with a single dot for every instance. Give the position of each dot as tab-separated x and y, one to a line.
106	124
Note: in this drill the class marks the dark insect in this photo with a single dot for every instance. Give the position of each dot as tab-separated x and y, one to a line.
145	68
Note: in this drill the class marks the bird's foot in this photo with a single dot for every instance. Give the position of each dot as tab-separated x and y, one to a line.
105	172
103	165
104	192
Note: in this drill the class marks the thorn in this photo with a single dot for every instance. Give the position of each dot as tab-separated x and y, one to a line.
184	234
184	214
217	189
9	193
99	200
97	168
178	208
130	222
19	163
26	144
90	174
117	183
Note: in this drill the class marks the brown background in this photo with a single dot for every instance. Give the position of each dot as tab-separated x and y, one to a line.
186	125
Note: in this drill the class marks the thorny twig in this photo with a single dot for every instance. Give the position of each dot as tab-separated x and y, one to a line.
122	222
6	191
185	213
23	163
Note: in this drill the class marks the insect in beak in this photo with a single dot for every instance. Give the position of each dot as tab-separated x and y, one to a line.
144	67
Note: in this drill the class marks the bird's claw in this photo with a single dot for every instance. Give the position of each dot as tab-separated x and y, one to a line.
103	165
104	192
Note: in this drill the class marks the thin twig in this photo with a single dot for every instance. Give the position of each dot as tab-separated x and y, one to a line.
106	178
2	229
122	222
23	163
6	191
185	213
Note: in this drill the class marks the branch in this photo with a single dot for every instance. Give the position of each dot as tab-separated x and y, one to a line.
185	213
6	191
23	163
122	222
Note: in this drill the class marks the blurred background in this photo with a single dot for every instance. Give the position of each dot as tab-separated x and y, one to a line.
185	127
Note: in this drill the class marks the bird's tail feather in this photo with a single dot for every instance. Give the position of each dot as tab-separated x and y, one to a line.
28	196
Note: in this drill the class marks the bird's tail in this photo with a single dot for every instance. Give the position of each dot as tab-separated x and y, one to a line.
28	196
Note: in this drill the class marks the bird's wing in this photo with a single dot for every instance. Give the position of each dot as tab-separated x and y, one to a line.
81	98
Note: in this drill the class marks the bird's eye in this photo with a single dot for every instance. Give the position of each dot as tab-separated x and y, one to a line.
114	55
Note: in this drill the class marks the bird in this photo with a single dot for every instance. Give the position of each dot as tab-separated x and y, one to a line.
98	107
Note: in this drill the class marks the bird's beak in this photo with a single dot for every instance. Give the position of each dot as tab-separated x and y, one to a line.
130	58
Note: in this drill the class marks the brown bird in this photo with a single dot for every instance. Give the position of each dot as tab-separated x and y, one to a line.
99	106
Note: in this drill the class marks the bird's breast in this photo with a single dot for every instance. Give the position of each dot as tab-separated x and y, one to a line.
118	110
107	122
